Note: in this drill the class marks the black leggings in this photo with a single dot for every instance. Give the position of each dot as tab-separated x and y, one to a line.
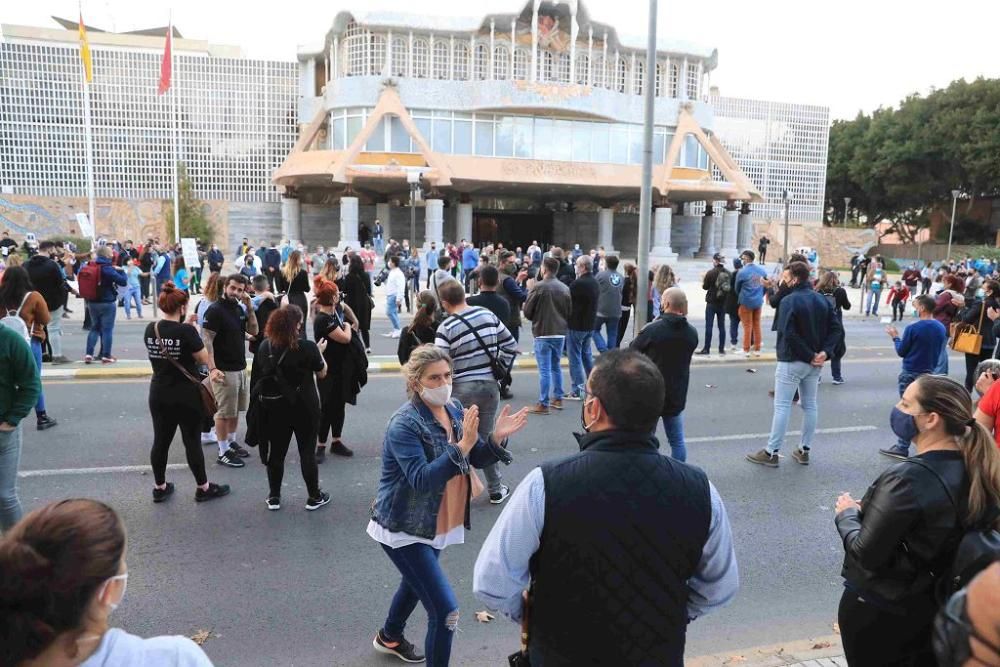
332	418
873	637
366	337
166	419
623	324
283	420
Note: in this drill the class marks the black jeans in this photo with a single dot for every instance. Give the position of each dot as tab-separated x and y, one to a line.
623	324
283	420
874	637
971	361
926	286
898	307
715	315
144	286
332	418
166	420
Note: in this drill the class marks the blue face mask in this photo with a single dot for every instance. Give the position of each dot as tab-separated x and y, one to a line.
903	425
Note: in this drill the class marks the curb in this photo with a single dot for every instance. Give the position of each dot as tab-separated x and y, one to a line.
376	366
824	651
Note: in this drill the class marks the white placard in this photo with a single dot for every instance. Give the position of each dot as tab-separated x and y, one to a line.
86	229
190	249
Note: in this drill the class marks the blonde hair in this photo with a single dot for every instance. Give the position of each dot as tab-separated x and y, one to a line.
13	260
420	358
293	266
664	278
331	270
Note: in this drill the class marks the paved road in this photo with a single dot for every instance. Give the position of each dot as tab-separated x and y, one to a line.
310	588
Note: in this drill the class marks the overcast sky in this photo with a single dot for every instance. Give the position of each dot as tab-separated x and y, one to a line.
849	55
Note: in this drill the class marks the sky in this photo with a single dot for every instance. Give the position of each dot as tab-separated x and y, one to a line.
849	55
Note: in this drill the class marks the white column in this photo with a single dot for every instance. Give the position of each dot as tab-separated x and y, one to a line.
605	229
590	56
348	223
493	57
574	31
336	57
661	251
433	222
464	219
685	232
682	80
291	220
744	227
383	213
730	219
707	248
310	79
717	233
388	55
451	58
534	41
409	60
513	46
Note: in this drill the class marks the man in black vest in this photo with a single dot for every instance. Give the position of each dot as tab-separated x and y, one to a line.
622	546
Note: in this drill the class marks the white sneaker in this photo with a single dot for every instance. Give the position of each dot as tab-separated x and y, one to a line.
756	353
747	354
396	333
209	438
732	348
387	335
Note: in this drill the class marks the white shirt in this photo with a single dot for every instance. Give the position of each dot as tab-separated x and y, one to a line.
395	283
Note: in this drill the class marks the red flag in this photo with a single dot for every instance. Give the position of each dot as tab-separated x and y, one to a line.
167	65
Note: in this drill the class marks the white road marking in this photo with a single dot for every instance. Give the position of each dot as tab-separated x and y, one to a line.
754	436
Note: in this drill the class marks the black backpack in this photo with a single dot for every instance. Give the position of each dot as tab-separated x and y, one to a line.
977	549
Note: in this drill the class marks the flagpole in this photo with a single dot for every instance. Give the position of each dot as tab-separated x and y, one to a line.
173	118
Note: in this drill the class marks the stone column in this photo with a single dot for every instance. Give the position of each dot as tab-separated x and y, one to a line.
661	252
433	222
685	232
729	247
348	224
744	232
464	220
717	235
383	213
291	219
605	229
707	248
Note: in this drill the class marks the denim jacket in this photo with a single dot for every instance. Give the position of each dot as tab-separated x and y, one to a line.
417	462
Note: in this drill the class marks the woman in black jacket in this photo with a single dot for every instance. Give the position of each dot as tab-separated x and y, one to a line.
330	324
421	330
829	287
986	297
733	305
906	527
356	292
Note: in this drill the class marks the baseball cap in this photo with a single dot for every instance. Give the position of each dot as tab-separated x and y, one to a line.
718	257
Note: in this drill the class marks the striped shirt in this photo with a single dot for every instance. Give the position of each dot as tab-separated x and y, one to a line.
471	361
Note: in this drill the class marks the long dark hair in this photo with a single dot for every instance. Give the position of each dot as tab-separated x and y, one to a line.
16	283
355	265
424	317
282	329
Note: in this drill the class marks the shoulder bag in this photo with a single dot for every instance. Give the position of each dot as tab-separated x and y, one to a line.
501	373
966	337
209	406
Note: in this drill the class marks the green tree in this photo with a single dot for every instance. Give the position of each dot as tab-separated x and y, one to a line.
194	224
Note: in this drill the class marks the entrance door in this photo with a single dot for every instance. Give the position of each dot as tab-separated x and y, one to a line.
512	228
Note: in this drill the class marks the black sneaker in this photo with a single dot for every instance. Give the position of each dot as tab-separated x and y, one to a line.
320	454
240	451
46	422
340	449
498	497
703	353
402	649
274	503
316	503
159	495
506	394
230	459
212	492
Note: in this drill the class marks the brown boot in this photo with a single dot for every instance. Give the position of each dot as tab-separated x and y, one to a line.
539	409
556	404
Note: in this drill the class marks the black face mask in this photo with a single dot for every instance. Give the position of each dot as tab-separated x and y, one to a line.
953	633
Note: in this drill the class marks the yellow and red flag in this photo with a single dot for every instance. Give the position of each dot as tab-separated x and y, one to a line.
88	67
166	66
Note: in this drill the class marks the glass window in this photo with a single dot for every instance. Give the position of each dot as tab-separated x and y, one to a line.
600	142
543	139
442	136
501	62
461	56
484	137
521	60
635	144
702	157
376	142
582	65
619	144
441	56
581	141
400	56
504	136
424	127
399	138
482	63
522	137
337	136
690	158
463	137
659	145
562	140
353	128
421	53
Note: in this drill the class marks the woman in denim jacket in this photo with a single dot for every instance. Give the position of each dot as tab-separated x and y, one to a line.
423	498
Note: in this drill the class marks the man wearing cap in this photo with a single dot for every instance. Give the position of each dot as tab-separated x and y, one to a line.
716	284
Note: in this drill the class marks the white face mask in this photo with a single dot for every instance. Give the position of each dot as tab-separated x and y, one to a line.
438	396
124	579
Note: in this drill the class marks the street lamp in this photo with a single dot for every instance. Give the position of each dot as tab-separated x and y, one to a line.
786	196
847	204
413	178
951	232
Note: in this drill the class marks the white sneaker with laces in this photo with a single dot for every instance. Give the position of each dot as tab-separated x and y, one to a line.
395	333
209	437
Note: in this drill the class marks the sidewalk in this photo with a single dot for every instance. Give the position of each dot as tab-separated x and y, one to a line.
817	652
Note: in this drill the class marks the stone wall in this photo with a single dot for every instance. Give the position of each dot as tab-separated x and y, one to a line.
136	219
835	245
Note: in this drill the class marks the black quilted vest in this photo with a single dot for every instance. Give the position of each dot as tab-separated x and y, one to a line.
624	530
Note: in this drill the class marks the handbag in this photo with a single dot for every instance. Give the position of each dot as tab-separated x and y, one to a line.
500	372
966	337
209	406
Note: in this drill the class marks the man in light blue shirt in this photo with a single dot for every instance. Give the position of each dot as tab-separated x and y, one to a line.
614	533
750	296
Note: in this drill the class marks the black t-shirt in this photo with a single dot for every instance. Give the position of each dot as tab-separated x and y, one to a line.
180	342
322	326
297	365
228	320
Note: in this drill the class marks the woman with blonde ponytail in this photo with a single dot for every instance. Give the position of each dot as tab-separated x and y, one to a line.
903	534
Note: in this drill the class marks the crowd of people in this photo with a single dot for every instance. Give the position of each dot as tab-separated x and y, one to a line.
569	556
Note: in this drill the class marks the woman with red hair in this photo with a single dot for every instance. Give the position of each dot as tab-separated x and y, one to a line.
946	307
176	352
335	390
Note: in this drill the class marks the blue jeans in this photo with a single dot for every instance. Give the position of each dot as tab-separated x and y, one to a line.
102	324
548	354
36	350
714	314
380	246
392	310
942	364
674	428
611	326
734	329
906	378
10	458
873	299
424	582
789	376
132	296
581	359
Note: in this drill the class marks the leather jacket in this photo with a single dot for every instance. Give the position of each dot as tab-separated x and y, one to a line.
907	529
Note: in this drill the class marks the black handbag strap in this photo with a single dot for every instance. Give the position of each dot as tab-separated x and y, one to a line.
494	361
166	355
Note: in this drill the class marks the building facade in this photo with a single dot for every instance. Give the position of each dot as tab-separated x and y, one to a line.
517	125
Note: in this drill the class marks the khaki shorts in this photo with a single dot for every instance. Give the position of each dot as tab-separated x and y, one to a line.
232	395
